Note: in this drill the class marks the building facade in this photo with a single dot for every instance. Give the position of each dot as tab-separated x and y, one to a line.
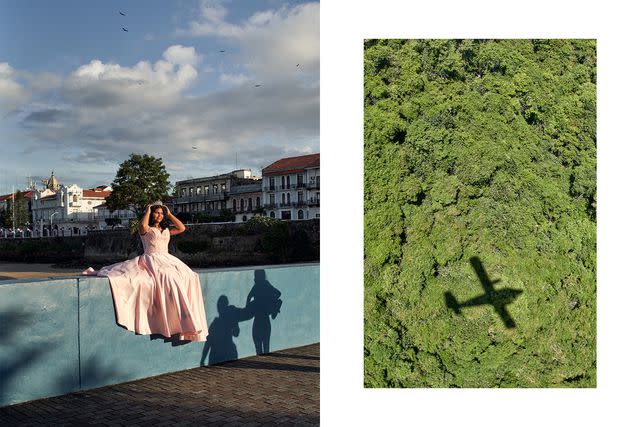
212	196
291	188
68	211
246	200
107	219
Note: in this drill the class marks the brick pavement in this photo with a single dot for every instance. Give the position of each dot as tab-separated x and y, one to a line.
280	388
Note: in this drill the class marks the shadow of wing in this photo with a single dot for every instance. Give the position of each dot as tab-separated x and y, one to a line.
506	317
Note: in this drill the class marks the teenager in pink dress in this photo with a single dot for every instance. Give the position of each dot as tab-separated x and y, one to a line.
156	293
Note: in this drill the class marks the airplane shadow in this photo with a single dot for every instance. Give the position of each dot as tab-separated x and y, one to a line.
498	298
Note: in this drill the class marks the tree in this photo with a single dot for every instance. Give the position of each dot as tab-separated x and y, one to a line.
487	149
142	179
19	204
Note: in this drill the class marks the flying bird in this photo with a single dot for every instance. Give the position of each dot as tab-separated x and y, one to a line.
195	148
124	29
221	51
122	14
257	85
297	65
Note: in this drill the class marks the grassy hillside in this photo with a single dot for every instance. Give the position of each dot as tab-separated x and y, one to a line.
480	149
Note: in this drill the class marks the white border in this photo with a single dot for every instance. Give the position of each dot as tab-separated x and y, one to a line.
344	25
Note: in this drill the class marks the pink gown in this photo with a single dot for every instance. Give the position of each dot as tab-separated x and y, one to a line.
156	293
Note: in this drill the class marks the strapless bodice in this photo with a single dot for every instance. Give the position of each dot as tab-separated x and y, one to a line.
156	241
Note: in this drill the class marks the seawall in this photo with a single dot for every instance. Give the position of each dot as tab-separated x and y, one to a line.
59	335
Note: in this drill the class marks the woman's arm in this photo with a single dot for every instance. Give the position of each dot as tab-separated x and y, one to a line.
179	225
143	225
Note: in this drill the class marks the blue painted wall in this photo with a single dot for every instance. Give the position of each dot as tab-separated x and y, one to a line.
60	336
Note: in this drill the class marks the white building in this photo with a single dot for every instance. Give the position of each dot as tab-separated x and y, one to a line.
68	211
107	219
291	188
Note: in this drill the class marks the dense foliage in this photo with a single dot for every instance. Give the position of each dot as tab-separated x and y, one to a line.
15	211
140	180
480	148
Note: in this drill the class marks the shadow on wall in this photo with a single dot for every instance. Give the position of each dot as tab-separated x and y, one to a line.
16	325
263	302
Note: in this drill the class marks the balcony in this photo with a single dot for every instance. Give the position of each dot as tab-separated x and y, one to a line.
200	198
314	201
271	188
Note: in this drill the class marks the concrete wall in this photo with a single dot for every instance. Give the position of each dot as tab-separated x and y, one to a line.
202	245
59	336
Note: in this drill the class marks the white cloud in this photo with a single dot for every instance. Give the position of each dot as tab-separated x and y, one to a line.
100	85
271	42
234	79
12	94
181	55
107	111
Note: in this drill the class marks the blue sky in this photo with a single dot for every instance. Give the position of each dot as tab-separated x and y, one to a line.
78	94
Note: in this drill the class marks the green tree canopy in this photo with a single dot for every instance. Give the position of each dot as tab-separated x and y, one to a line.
479	148
141	179
17	209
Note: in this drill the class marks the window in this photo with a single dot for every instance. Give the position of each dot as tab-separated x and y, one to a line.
288	181
244	218
285	214
300	197
241	204
299	180
272	184
250	207
272	214
282	181
190	191
75	197
198	190
272	199
282	198
183	192
300	214
257	202
206	190
288	198
234	205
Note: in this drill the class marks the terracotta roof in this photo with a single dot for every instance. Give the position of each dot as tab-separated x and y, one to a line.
26	195
93	193
291	164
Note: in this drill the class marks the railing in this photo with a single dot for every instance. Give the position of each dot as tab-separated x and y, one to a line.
296	186
202	198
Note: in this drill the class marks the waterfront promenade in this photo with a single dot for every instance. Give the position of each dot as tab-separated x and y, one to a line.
280	388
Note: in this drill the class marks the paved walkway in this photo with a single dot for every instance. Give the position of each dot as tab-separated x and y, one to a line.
281	388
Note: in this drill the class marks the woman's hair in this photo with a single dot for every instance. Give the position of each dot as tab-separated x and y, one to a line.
165	221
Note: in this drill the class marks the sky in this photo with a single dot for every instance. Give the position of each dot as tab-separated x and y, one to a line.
207	85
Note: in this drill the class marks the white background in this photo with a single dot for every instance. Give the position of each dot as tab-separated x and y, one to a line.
344	25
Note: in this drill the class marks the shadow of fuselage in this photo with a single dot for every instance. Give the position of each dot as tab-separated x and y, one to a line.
497	298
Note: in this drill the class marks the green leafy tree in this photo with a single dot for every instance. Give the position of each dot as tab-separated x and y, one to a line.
487	149
17	210
141	179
